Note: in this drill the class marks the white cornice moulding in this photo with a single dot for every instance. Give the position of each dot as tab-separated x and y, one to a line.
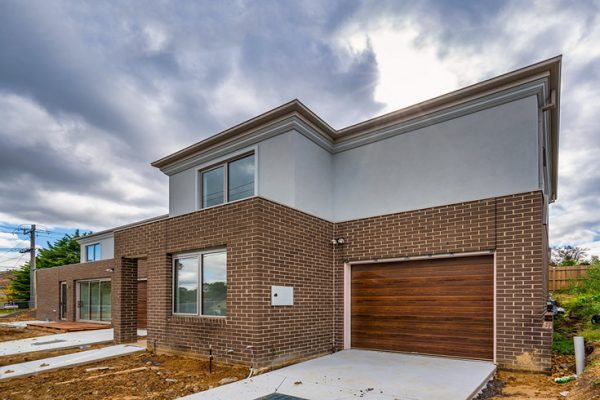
295	122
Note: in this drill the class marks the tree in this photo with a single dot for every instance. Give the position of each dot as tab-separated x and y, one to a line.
568	255
64	251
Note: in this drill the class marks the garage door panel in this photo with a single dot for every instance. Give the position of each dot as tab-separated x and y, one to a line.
437	329
467	281
386	290
421	273
441	306
439	337
429	301
414	310
456	349
426	320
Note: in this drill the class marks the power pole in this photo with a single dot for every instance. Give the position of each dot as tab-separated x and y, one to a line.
32	285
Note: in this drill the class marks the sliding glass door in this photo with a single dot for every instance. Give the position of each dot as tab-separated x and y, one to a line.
95	300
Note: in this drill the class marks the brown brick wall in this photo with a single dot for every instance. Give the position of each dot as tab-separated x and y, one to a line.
510	226
269	244
48	285
48	281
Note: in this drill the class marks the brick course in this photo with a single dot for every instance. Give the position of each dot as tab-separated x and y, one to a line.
270	244
512	227
48	286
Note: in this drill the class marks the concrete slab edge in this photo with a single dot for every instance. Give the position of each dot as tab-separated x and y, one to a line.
483	384
58	348
76	364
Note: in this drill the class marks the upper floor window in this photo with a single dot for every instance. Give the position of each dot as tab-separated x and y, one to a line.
230	181
92	252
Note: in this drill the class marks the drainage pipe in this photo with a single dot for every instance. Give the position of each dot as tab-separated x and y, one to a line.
579	354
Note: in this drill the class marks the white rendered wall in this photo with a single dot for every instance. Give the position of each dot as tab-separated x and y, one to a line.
489	153
296	172
107	247
486	154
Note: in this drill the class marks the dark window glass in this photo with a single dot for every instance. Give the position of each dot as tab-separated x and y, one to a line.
241	178
212	187
92	252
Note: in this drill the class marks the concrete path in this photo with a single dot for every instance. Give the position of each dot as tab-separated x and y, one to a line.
352	374
69	360
58	341
19	324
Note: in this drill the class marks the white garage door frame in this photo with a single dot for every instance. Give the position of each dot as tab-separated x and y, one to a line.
348	286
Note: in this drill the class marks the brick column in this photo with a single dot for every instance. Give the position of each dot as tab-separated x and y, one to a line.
124	300
523	340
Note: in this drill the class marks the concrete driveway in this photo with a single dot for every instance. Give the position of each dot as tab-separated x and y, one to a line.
352	374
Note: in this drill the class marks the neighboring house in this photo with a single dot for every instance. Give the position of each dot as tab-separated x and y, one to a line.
424	230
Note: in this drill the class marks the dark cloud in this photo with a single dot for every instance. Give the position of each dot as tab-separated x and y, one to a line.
91	92
102	89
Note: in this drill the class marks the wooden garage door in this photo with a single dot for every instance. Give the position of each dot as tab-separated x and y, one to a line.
440	306
142	304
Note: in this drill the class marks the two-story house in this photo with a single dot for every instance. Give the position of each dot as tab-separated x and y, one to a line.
424	230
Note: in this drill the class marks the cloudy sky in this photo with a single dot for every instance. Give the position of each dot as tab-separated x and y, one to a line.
92	92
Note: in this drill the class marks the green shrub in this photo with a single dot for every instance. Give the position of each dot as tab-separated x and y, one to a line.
589	285
562	344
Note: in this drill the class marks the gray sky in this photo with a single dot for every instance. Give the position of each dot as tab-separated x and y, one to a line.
91	93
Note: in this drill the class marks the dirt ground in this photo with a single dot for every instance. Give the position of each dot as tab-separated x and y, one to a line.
25	315
8	333
137	376
530	386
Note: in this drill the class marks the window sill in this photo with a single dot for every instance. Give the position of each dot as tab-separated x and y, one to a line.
203	319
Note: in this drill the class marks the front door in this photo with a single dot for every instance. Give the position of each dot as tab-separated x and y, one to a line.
63	300
95	300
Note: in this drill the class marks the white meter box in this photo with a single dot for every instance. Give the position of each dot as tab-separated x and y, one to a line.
282	296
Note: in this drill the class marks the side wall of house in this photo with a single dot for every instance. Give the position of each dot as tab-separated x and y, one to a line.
267	244
48	286
294	250
49	279
230	226
469	157
107	247
511	227
493	152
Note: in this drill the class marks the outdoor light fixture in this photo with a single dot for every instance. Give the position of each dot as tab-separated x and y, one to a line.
110	270
337	241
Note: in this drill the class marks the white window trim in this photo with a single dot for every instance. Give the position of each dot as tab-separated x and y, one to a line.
224	161
198	256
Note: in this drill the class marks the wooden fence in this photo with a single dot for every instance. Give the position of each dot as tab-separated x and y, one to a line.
562	277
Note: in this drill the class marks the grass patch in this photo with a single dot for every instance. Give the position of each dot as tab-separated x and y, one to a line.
562	344
581	301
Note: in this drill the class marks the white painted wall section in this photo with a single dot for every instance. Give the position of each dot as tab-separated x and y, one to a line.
182	192
296	172
488	153
485	154
107	246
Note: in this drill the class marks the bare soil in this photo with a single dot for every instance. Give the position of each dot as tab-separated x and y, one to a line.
24	315
8	333
531	386
137	376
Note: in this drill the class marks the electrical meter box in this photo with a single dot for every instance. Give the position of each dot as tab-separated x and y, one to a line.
282	296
